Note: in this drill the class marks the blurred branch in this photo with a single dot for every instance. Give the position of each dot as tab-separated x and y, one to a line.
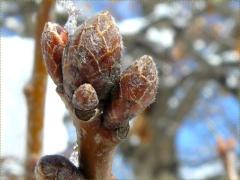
35	91
226	149
186	105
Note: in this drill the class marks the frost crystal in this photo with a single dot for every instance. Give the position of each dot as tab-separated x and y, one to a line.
74	156
73	15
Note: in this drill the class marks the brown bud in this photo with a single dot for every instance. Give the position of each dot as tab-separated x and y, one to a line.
85	98
93	56
56	167
54	39
138	88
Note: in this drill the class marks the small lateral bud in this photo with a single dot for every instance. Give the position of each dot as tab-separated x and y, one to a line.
85	98
138	88
56	167
54	39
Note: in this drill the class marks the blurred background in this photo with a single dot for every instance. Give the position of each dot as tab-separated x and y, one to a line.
192	131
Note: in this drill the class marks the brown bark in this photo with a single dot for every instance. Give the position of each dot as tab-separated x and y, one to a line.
35	91
96	149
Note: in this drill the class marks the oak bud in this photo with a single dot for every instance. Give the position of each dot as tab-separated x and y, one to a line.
93	56
137	90
54	39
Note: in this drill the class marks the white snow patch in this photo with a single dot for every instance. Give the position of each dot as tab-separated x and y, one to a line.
214	59
16	69
55	134
210	170
163	37
231	57
131	26
165	10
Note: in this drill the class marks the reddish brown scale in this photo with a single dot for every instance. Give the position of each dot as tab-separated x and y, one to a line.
138	88
93	56
85	98
54	39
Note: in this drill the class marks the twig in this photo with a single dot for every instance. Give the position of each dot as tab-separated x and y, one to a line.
226	152
35	90
85	67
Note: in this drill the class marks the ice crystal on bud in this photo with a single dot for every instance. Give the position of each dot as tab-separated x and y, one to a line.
73	15
74	156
